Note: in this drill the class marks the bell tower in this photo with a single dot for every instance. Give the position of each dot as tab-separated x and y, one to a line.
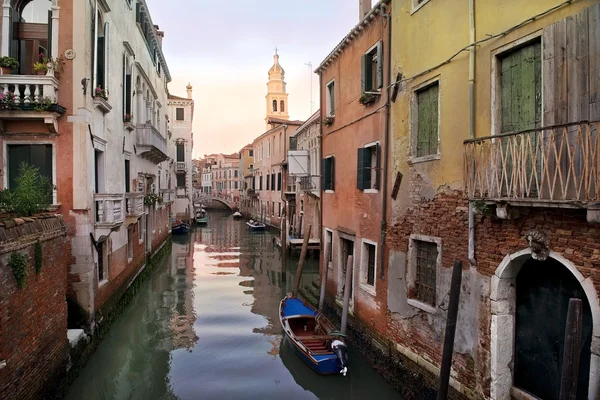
277	98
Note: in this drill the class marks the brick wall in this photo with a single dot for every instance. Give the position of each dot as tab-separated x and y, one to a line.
33	319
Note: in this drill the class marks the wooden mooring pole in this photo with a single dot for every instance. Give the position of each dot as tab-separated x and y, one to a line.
572	351
283	237
301	261
450	331
324	279
347	288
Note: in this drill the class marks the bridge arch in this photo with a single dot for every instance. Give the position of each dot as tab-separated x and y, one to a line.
229	204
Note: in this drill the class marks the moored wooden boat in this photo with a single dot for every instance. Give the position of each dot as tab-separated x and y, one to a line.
313	337
255	225
201	217
180	227
237	215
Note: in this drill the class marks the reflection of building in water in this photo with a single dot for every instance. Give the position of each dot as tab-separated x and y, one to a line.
182	296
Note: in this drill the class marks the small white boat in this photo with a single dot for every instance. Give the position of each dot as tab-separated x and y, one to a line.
255	225
237	215
201	217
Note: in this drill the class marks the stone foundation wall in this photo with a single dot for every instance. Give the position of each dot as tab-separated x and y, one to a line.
33	319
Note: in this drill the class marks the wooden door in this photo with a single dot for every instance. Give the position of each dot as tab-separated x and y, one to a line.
543	293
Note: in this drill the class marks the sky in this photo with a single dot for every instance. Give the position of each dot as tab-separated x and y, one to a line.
225	49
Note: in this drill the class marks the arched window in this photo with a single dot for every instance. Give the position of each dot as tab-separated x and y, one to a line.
281	106
274	105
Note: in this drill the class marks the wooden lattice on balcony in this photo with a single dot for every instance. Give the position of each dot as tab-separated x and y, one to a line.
557	163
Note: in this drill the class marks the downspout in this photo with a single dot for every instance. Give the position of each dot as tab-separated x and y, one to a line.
471	252
283	184
386	140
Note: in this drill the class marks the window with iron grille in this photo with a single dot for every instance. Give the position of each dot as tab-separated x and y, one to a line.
369	258
426	267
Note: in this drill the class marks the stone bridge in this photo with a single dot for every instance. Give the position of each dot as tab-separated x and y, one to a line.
198	201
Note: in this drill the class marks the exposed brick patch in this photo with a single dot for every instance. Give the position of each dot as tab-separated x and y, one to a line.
33	320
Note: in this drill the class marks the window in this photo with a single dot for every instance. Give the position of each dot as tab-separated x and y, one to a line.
425	258
260	183
372	69
425	121
180	152
281	106
180	180
250	153
102	261
179	114
274	105
329	247
235	184
269	149
99	171
330	109
368	167
37	155
127	176
273	181
100	64
268	180
140	229
235	173
130	243
367	269
279	181
127	93
328	181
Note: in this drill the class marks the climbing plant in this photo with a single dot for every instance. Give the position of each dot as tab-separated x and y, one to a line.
18	263
38	257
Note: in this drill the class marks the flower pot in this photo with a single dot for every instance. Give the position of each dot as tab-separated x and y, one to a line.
41	72
5	71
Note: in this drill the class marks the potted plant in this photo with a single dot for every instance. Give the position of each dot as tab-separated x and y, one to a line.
44	104
127	117
41	67
8	101
328	121
100	92
367	98
7	65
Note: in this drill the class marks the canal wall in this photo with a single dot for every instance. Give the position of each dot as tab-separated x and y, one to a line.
33	309
412	379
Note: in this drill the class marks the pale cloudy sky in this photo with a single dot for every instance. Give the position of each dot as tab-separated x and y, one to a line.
225	48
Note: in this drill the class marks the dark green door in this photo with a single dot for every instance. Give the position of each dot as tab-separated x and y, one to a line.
37	155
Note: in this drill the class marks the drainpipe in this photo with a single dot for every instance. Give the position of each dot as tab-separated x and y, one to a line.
386	140
471	253
286	209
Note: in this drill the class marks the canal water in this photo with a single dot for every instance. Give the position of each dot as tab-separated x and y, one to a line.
205	325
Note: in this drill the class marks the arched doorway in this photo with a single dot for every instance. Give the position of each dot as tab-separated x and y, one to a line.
529	301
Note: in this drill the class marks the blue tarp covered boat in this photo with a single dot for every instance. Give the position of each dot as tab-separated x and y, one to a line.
313	337
180	227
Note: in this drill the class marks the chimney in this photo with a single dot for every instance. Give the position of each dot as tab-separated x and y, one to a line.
189	90
160	34
364	8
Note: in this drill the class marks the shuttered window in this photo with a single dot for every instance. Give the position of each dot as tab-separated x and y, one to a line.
328	168
372	69
180	152
367	169
37	155
427	121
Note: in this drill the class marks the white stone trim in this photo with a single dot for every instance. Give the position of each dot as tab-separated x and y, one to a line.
364	268
502	298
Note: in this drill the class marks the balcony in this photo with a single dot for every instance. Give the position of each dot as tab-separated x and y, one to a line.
252	193
290	188
310	183
134	204
180	166
557	166
35	98
151	145
168	196
109	211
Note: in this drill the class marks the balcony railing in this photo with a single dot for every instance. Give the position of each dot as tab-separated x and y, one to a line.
109	209
291	185
310	183
151	144
552	164
168	195
30	88
180	166
134	204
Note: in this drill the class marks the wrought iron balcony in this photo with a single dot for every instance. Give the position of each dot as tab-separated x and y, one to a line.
555	166
109	210
29	97
310	183
180	166
134	204
151	144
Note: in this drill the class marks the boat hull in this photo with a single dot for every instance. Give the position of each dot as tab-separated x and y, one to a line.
254	227
324	363
180	229
202	221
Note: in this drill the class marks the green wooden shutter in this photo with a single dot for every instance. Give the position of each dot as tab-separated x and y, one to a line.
332	173
379	64
378	167
363	168
49	50
325	174
128	94
427	121
100	64
363	70
106	56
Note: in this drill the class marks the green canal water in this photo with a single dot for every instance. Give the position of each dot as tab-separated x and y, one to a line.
205	325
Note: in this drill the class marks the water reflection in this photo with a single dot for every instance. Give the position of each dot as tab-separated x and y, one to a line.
206	326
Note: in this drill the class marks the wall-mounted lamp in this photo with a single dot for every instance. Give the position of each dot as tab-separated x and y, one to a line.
84	83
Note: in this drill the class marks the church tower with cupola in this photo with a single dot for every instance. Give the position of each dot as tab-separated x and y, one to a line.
277	98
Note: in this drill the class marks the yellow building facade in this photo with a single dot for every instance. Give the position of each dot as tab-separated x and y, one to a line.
518	210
